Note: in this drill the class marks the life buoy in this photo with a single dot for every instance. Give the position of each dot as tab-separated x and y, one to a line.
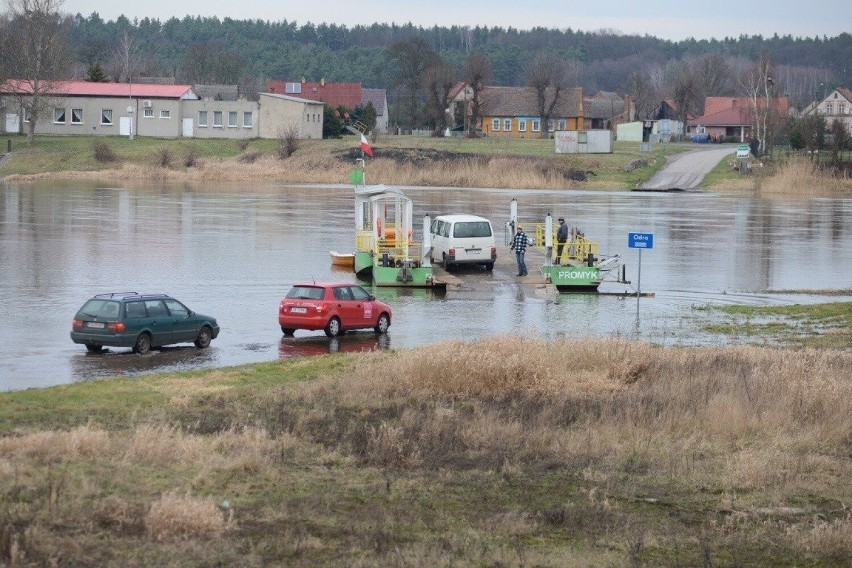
379	227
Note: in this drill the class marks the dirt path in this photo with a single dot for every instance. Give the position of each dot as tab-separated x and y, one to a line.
687	170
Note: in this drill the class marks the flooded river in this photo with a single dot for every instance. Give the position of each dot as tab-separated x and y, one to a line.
232	251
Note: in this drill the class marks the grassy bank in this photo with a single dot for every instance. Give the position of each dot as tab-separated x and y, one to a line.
825	325
506	452
405	160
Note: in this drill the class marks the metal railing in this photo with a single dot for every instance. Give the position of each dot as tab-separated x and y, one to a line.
576	249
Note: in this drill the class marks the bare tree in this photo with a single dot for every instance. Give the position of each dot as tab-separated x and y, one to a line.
759	86
547	77
686	96
712	76
476	74
126	61
439	80
413	56
35	50
645	96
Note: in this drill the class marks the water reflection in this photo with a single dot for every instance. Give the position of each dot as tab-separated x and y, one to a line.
351	342
232	251
117	362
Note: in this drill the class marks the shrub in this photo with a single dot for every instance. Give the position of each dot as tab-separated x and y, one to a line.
104	152
288	142
176	517
164	158
190	159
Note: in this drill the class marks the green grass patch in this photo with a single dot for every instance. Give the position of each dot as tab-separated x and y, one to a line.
823	325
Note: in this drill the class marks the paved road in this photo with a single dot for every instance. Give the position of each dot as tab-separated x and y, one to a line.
687	170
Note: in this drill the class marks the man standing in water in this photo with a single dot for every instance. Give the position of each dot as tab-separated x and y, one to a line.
519	245
561	239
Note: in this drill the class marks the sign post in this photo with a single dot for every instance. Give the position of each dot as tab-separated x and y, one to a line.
640	241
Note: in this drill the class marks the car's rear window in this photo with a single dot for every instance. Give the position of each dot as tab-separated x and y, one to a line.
467	229
306	293
101	309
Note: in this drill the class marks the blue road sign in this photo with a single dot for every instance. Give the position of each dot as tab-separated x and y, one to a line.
640	240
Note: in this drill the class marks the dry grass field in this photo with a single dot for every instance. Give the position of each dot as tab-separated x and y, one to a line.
503	452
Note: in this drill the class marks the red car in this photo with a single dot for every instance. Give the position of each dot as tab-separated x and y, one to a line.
333	307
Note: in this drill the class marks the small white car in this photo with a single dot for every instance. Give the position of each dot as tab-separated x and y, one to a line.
463	239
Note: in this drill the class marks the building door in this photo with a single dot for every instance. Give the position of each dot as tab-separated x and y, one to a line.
13	124
124	126
188	128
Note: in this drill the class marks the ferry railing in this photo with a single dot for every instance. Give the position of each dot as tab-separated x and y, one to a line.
390	250
576	249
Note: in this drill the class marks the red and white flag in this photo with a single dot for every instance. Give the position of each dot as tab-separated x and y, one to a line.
365	146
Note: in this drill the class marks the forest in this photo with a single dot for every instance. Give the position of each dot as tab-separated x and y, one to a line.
210	50
418	66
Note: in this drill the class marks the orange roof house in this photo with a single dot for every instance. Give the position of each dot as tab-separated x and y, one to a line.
733	117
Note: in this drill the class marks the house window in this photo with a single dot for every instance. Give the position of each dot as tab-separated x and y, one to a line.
106	116
217	119
841	108
522	125
829	108
59	116
148	113
26	114
247	122
165	113
76	116
232	119
495	124
202	118
507	124
561	124
536	125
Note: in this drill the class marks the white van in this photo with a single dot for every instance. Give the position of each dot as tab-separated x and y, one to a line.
463	239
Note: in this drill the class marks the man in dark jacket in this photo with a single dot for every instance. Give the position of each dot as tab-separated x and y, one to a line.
561	239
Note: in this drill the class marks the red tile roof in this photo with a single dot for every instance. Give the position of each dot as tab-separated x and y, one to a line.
346	94
713	105
88	89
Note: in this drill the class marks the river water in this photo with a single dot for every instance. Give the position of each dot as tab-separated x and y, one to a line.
232	251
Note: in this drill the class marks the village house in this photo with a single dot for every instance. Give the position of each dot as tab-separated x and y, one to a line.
733	117
349	95
158	110
836	106
512	112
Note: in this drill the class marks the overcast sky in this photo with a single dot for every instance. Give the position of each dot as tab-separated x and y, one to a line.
668	19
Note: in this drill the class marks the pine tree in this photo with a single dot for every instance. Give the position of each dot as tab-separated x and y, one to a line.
95	73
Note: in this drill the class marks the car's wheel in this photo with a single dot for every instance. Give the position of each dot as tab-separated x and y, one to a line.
92	348
444	264
489	266
288	331
383	324
143	343
333	327
205	335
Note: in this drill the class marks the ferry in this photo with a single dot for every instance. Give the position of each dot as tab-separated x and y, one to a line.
385	249
580	267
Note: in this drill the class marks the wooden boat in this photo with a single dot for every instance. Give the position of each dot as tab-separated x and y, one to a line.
342	259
